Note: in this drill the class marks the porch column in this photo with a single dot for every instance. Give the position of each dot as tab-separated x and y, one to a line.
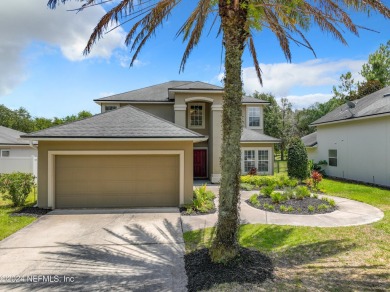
216	142
180	114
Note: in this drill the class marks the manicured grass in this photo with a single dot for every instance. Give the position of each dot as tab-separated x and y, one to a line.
280	166
353	258
11	224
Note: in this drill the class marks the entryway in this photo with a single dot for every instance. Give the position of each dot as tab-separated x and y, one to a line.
200	163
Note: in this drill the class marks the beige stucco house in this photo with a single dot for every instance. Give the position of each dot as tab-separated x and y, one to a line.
355	139
145	148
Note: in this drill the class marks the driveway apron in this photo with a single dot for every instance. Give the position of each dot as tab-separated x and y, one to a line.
96	250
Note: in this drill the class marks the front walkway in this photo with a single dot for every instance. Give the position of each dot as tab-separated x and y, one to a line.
349	213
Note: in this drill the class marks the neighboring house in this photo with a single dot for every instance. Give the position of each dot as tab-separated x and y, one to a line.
145	148
310	142
16	154
355	139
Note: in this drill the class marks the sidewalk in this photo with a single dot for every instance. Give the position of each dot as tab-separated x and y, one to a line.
349	213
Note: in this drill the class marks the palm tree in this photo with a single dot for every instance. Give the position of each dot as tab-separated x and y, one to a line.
239	20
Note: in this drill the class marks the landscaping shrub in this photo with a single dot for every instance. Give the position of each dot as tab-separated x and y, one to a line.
297	160
203	201
269	207
267	191
289	193
254	200
315	178
246	186
278	198
311	208
322	207
331	202
16	186
301	192
252	171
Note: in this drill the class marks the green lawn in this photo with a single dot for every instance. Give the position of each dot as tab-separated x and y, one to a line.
11	224
320	259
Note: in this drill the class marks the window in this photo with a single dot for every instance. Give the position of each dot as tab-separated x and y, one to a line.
249	160
258	158
4	153
332	157
254	119
263	161
196	116
110	107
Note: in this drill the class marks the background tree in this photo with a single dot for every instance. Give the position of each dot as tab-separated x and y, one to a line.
21	120
378	66
272	115
288	126
297	160
347	89
238	21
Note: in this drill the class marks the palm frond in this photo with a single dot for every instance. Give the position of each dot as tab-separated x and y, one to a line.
252	50
193	27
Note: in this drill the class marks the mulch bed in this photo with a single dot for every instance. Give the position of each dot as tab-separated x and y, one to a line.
31	211
250	266
183	212
300	206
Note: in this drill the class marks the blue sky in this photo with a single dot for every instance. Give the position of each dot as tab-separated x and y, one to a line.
43	70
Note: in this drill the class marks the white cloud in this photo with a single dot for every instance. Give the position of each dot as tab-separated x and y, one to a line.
281	78
304	101
23	22
124	61
289	79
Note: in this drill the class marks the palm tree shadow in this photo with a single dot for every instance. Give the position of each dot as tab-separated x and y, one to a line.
139	259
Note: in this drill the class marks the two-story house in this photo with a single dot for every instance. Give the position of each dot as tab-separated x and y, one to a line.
145	148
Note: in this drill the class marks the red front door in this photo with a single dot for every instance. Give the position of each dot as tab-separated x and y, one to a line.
200	163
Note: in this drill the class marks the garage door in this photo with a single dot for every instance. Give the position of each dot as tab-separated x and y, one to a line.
103	181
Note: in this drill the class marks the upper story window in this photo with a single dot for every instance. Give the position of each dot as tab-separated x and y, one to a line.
4	153
196	116
110	107
254	117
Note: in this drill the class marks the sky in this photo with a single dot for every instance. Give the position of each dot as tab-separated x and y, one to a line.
42	67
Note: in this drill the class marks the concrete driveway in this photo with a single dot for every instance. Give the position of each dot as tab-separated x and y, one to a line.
96	250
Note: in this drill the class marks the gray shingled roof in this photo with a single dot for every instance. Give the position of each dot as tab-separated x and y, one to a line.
249	99
196	85
373	104
11	137
160	92
310	140
125	122
249	135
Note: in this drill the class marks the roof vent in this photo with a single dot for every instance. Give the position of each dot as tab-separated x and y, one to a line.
386	95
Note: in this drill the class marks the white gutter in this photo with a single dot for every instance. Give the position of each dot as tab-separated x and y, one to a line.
31	144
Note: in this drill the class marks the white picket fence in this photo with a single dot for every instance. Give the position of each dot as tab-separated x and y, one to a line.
22	164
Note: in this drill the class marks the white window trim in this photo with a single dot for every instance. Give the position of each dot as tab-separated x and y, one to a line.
203	126
51	175
256	149
261	117
329	157
1	153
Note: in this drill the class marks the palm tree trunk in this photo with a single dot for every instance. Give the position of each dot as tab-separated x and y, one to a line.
225	245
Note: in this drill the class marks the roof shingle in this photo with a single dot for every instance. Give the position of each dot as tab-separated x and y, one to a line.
125	122
310	140
373	104
249	135
11	137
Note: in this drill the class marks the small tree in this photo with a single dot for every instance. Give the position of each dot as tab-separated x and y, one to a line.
16	186
297	160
